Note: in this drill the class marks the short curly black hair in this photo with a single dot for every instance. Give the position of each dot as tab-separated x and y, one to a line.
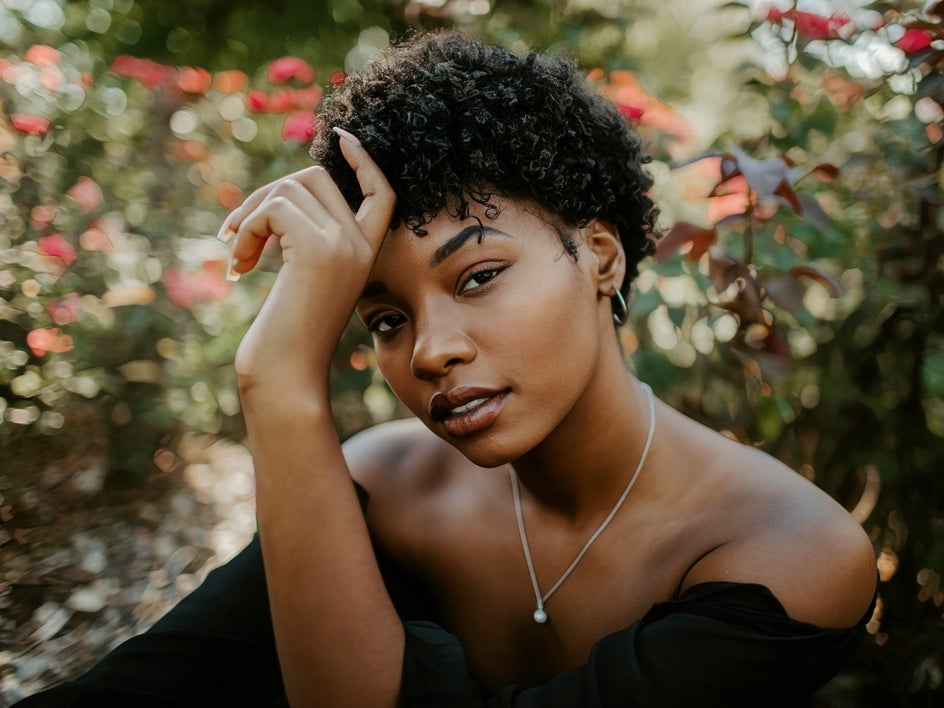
449	120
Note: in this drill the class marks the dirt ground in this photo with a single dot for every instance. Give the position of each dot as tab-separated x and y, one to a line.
82	569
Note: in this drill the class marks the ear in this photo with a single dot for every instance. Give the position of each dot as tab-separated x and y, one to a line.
603	242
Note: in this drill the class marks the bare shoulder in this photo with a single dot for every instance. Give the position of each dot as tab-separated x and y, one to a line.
396	458
781	531
406	471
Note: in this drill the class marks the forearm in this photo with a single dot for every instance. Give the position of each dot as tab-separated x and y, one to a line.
339	639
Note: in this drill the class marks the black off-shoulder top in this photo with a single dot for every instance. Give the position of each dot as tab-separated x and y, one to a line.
717	644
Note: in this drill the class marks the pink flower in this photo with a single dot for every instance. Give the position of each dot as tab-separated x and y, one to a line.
42	55
914	41
65	310
309	98
257	101
186	288
194	80
55	246
281	70
86	193
298	127
337	78
281	101
43	341
149	73
30	124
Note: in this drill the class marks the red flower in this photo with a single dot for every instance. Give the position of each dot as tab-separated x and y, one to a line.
809	25
42	55
55	246
632	113
914	41
30	124
337	78
194	80
281	70
298	127
42	341
86	193
257	101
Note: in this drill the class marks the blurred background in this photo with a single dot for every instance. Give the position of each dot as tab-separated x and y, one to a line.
796	302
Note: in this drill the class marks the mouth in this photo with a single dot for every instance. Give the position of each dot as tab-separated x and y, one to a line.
459	401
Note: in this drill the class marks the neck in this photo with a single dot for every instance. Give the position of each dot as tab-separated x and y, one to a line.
579	471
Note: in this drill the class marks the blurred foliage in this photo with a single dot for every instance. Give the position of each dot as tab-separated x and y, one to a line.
796	301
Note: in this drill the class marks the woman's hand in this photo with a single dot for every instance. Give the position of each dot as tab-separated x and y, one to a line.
327	253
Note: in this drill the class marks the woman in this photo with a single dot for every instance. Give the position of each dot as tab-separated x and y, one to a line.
544	532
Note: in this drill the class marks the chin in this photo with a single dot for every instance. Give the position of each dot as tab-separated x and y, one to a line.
487	451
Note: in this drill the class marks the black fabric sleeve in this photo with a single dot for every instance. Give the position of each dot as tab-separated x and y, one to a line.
719	644
216	647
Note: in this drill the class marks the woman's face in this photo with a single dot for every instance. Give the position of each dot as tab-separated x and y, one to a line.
489	335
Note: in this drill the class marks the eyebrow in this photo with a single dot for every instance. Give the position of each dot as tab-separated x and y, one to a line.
457	241
377	288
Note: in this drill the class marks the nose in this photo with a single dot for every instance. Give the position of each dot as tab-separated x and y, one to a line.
440	343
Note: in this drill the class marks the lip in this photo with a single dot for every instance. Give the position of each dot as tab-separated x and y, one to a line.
442	406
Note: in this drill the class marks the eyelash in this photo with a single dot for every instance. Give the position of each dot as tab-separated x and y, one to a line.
493	270
376	322
373	326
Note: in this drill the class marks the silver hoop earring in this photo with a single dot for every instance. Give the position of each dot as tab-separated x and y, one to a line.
620	310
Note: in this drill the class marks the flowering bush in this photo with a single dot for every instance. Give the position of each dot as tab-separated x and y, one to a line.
115	313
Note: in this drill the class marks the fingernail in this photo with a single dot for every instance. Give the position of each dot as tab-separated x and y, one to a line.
226	235
231	275
345	135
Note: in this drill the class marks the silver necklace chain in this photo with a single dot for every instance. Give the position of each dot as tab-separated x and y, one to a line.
540	616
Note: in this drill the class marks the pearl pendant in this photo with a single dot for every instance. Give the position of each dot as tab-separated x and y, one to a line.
540	616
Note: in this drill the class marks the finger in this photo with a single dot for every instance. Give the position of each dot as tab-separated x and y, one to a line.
376	210
276	216
235	218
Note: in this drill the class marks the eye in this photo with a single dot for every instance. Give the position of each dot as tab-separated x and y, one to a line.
385	324
480	277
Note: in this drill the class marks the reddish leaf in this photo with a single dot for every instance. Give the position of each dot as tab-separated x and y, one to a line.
785	291
737	289
682	234
764	176
826	172
785	192
827	281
